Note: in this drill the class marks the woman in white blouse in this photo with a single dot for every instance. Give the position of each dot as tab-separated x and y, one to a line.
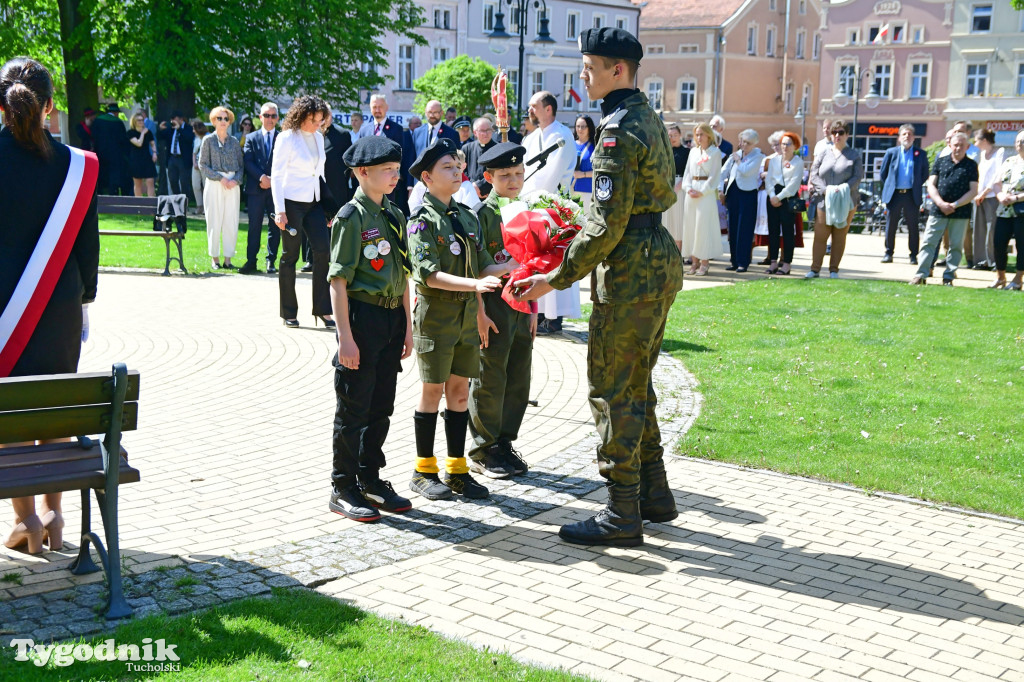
702	237
990	160
295	176
785	172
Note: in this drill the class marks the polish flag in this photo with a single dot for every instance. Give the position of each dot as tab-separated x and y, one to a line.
882	33
575	95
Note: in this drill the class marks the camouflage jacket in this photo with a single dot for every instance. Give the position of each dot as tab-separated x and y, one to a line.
633	174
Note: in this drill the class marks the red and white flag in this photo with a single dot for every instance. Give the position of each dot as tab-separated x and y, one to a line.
882	33
30	297
575	95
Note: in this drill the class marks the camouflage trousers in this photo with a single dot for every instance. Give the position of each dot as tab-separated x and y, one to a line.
497	400
625	340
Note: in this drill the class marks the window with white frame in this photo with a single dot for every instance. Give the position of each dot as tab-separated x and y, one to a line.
441	54
917	35
600	20
981	18
769	42
568	101
816	47
689	48
513	82
976	83
752	39
845	78
688	95
852	36
406	66
883	80
802	7
773	5
572	25
513	20
594	105
873	32
1020	80
655	49
898	33
542	15
622	22
788	99
536	82
442	18
801	44
655	91
490	9
920	73
805	99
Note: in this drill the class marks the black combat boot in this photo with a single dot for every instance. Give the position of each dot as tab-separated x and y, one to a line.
657	504
617	525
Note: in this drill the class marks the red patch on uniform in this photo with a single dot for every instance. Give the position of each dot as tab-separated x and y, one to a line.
377	263
609	142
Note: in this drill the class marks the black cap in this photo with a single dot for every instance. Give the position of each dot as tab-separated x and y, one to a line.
428	157
372	150
616	43
462	122
112	108
502	155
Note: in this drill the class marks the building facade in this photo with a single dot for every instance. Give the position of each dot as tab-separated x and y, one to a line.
902	49
986	80
755	62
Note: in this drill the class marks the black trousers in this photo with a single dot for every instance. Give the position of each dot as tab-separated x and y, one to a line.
109	180
902	204
1007	228
742	205
260	206
179	175
366	396
781	224
308	218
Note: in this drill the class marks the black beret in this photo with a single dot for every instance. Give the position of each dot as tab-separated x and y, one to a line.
372	150
428	157
616	43
502	155
462	122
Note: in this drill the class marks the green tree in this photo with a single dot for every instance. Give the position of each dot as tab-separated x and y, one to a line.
461	82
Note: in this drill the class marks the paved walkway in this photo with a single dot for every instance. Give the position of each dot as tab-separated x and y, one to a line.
761	577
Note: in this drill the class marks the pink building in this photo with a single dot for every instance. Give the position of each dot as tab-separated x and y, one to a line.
755	62
903	50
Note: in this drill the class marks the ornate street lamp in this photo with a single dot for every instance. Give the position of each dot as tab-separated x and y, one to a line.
842	98
802	120
543	44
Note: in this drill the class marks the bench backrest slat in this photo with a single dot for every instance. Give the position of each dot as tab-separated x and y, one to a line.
62	422
125	205
56	390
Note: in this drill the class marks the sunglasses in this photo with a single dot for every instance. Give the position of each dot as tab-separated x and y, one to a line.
269	115
221	118
839	132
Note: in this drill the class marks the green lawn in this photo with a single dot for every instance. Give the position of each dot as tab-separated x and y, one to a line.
294	635
133	252
888	387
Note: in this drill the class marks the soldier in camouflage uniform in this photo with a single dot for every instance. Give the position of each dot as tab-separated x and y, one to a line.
449	267
636	273
498	399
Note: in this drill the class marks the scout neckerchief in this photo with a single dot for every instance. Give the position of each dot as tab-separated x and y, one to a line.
20	317
453	215
403	250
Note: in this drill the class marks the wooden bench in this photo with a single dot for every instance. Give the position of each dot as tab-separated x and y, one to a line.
69	405
141	206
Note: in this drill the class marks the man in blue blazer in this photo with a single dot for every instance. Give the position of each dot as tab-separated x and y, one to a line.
257	156
419	139
380	125
904	172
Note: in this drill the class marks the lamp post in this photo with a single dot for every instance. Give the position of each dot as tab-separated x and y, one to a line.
544	44
802	120
842	98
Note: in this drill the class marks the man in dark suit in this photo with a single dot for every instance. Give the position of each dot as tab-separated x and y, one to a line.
110	140
904	172
380	124
257	157
336	187
179	138
481	142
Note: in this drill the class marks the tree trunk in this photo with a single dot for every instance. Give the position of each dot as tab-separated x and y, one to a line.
179	99
79	63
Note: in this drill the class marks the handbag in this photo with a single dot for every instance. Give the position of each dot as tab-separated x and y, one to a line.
795	205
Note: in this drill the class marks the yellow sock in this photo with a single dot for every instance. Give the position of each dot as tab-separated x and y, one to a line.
456	465
426	465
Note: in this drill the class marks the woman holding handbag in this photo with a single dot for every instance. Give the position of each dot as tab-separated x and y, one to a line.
785	172
47	219
1010	217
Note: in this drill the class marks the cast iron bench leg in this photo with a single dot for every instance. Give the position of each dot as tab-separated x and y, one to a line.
83	564
117	607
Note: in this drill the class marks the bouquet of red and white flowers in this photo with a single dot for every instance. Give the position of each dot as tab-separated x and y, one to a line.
537	230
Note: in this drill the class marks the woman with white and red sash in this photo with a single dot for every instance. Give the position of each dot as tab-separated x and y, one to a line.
49	255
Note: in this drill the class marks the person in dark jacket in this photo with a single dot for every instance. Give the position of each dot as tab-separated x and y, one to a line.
336	189
83	131
110	142
32	176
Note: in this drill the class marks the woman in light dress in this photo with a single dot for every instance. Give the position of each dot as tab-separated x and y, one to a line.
702	237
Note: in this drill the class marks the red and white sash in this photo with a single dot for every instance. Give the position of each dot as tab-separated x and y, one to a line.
20	317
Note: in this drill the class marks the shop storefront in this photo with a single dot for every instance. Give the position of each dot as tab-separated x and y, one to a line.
874	138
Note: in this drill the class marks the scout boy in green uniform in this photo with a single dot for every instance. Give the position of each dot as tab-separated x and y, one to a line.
449	268
498	399
637	271
370	297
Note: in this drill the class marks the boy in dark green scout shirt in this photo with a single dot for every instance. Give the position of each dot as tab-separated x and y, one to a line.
497	400
449	268
370	298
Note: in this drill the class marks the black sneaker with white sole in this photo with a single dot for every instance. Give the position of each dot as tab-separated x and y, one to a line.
349	502
383	496
463	484
493	464
513	458
429	486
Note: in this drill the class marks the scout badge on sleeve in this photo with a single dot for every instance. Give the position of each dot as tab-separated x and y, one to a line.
384	247
455	248
603	189
370	251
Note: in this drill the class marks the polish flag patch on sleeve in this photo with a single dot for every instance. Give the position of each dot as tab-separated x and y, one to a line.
608	142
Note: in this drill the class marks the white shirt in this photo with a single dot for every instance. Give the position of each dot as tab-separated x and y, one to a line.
467	195
745	174
789	178
560	164
988	169
296	172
